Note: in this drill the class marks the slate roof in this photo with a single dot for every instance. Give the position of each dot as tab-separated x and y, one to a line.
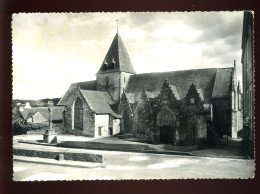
117	53
88	85
175	92
57	113
203	79
223	83
99	102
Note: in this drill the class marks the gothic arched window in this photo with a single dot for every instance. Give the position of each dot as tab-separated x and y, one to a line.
165	117
78	114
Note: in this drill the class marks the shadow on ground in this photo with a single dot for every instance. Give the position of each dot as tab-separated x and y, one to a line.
114	143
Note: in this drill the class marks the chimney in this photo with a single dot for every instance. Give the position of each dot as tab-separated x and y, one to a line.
27	105
20	107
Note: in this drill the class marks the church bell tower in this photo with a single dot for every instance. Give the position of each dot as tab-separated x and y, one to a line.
115	69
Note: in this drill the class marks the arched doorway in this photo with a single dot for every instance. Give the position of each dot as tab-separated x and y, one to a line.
78	114
166	122
126	122
167	134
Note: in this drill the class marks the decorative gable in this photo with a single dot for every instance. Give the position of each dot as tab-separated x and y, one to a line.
166	96
193	102
143	107
124	105
193	97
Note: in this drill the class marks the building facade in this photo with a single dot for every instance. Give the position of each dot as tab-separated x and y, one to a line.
179	107
248	81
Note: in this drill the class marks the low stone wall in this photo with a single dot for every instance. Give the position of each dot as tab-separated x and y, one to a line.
85	157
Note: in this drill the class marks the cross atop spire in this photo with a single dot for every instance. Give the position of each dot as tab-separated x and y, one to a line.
117	26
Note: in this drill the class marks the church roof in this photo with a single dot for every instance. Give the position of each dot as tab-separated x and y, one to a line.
117	58
88	85
212	82
222	83
99	102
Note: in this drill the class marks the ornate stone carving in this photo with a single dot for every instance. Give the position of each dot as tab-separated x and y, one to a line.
166	96
192	103
165	117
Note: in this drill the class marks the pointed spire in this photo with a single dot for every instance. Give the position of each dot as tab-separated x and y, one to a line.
234	76
118	55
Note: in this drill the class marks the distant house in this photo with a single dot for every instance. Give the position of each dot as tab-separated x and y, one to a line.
35	117
37	114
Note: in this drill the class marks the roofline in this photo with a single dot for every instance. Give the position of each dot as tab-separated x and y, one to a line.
184	70
88	104
108	114
116	71
84	82
64	94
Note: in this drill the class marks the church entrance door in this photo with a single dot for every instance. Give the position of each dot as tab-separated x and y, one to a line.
167	134
78	114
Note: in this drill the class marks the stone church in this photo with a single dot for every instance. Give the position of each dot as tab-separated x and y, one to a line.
179	107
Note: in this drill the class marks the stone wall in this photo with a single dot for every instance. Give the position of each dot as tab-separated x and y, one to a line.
237	122
124	78
84	157
201	126
112	86
88	116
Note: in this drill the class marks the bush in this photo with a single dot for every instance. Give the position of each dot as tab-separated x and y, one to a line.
19	127
23	127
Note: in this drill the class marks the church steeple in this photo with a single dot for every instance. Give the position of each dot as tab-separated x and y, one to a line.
117	58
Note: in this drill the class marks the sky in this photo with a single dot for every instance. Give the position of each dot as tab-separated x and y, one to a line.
53	50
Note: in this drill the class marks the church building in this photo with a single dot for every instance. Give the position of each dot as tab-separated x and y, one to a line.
180	107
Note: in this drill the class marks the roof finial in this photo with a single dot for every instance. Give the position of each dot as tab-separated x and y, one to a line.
117	26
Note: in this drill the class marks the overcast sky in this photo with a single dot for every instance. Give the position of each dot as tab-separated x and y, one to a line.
51	51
